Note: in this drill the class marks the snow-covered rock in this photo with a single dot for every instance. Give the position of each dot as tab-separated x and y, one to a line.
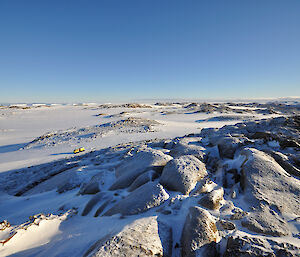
142	159
265	181
143	179
140	200
182	174
137	164
213	199
144	237
199	233
185	149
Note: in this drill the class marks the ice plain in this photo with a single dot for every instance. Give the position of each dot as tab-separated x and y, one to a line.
111	199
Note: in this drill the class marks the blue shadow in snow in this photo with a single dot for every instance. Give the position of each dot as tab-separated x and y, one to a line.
11	148
62	153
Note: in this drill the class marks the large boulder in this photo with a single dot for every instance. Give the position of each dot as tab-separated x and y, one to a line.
140	200
185	149
144	237
182	174
265	182
137	164
143	158
227	146
199	234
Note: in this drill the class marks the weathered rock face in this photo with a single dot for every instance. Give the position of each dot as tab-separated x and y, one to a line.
199	233
266	182
144	158
140	200
227	146
90	188
283	161
247	246
137	164
213	199
185	149
143	179
266	221
144	237
182	174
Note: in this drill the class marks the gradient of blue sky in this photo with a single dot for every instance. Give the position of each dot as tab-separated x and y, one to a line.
60	51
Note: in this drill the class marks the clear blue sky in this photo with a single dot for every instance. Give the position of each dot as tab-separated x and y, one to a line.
77	51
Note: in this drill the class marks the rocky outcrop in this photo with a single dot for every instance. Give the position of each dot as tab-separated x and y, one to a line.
213	199
185	149
265	182
227	146
143	179
137	164
144	237
248	246
143	158
89	188
199	233
140	200
182	174
267	222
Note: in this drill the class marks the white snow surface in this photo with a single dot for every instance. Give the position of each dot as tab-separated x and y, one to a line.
70	127
18	127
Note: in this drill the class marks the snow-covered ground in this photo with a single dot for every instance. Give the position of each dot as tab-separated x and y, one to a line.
39	173
19	127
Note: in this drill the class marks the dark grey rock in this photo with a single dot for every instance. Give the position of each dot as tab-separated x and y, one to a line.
248	247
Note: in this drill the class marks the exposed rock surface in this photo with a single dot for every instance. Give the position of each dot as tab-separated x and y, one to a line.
248	246
143	179
143	158
213	199
265	181
144	237
137	164
227	146
182	174
140	200
185	149
199	232
266	221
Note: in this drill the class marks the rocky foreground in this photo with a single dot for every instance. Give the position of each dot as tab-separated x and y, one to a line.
233	191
